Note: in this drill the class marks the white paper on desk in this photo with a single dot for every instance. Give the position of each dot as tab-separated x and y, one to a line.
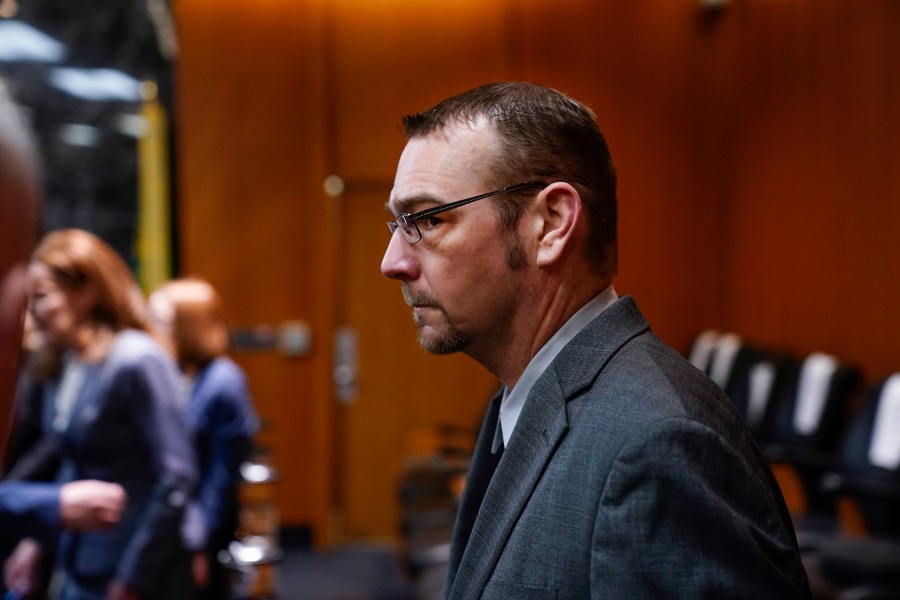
884	450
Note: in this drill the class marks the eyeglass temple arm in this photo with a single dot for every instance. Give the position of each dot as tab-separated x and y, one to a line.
422	214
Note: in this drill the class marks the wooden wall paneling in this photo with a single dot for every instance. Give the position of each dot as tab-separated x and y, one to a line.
389	59
817	183
757	152
249	76
393	58
651	71
402	392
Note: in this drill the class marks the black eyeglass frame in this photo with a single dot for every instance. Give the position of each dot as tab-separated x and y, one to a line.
406	222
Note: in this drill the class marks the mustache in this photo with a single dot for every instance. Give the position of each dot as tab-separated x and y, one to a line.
417	298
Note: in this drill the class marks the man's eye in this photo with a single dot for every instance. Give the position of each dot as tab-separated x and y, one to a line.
429	222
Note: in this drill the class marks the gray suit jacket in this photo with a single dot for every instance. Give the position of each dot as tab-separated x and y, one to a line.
628	475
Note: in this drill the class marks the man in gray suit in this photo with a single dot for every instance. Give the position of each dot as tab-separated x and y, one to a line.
608	467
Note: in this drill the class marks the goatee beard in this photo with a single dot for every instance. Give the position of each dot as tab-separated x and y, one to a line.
446	342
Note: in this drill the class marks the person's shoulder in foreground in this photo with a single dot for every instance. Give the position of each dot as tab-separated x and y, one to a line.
624	471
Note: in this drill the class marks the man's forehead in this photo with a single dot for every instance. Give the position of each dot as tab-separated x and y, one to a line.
444	164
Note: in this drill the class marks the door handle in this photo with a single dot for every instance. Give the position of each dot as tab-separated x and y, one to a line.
345	373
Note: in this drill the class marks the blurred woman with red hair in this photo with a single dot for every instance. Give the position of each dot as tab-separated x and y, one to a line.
220	414
109	392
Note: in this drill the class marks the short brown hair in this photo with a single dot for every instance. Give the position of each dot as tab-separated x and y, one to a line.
199	333
545	136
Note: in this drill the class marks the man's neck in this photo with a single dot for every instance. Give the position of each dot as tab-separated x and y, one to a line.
538	321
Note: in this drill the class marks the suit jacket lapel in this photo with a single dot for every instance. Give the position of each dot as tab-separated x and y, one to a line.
541	427
481	470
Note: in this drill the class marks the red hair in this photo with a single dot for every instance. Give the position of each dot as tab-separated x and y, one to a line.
78	258
198	328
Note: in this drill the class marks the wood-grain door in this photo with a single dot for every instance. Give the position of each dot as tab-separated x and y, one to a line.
388	59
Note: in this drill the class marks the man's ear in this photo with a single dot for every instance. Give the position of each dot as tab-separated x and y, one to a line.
560	213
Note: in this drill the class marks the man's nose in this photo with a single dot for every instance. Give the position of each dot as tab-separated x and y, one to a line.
399	262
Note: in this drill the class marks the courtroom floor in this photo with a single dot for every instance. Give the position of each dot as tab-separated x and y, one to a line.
347	573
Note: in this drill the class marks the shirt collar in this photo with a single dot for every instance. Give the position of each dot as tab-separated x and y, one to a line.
514	400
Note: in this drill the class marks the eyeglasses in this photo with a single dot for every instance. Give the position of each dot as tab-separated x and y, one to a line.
406	223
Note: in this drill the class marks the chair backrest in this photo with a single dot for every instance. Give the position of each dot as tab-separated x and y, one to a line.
751	377
757	386
702	349
884	446
718	354
811	414
870	456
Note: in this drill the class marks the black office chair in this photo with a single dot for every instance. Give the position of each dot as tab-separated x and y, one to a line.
753	378
809	416
760	381
868	474
870	459
429	492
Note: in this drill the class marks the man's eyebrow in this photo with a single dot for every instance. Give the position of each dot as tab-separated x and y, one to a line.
410	205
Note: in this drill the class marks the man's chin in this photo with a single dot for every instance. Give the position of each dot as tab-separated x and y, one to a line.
440	343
